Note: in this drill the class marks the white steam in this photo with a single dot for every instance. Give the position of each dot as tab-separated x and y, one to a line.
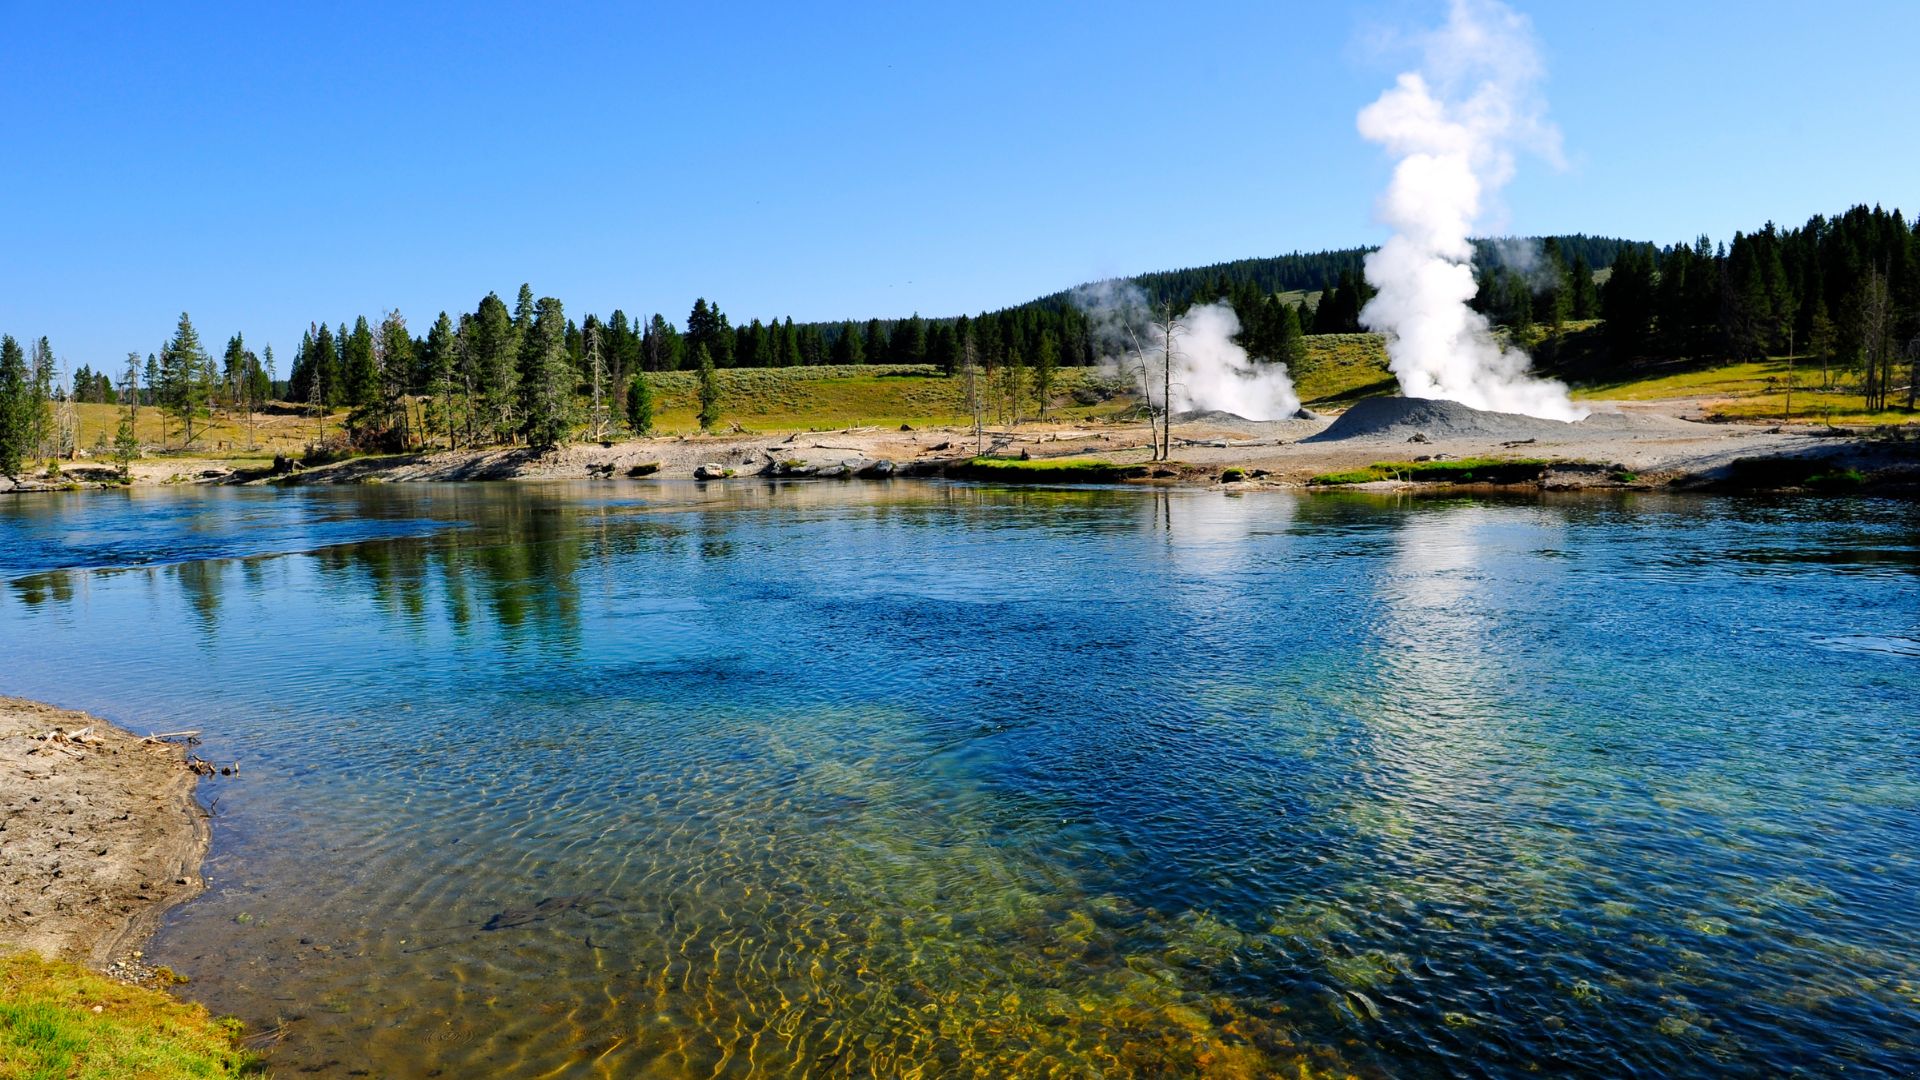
1211	371
1454	126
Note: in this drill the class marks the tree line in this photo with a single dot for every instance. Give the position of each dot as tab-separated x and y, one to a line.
1844	291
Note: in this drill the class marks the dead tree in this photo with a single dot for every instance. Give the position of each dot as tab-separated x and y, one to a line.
597	361
970	363
1146	391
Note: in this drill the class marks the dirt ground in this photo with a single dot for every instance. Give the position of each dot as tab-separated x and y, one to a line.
99	835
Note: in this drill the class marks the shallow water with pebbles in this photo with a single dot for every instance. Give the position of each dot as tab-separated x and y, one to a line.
941	780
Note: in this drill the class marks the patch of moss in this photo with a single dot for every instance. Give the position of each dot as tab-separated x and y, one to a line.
1049	471
1458	471
59	1020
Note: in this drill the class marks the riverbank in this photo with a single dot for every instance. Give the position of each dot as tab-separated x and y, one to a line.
99	837
1623	444
100	834
1644	445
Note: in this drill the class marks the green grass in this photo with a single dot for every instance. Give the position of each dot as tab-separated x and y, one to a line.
1340	369
217	436
880	395
1754	390
1460	471
50	1029
1054	470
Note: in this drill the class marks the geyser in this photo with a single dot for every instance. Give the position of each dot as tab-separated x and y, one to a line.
1454	125
1211	371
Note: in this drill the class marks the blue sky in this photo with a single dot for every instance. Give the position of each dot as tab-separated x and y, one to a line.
263	168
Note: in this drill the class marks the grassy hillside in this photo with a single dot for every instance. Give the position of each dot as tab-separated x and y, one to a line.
1755	390
779	399
217	436
1342	368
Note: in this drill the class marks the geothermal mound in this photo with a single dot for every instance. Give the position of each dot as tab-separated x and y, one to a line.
1221	416
1398	417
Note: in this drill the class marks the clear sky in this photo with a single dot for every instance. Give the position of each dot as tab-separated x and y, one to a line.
265	165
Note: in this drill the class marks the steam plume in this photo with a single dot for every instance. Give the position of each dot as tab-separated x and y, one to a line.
1210	370
1454	125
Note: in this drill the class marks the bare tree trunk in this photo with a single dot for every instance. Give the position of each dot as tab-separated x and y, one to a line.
1913	371
1166	390
970	359
1146	391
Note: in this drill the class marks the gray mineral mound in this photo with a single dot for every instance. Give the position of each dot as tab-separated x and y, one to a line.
1223	418
1391	417
1402	418
1202	416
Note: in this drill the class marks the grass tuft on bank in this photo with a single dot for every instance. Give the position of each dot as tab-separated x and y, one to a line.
1054	470
1456	471
61	1021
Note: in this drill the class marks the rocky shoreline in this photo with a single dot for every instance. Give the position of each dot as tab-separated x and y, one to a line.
1655	447
99	836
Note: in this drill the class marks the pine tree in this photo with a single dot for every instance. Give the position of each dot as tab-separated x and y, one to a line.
1820	339
847	348
234	365
443	375
640	406
496	368
16	401
1291	346
707	328
909	343
266	376
546	378
361	366
1583	303
789	345
183	364
126	443
709	389
1554	301
1046	363
40	426
385	414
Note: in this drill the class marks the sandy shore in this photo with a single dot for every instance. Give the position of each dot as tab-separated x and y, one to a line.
99	835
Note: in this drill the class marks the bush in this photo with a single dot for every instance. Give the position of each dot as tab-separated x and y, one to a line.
333	447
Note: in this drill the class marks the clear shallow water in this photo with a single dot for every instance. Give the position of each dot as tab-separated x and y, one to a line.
942	780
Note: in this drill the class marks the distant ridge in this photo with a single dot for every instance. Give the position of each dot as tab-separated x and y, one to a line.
1311	272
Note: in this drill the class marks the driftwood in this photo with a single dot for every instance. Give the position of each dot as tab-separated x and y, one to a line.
193	734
